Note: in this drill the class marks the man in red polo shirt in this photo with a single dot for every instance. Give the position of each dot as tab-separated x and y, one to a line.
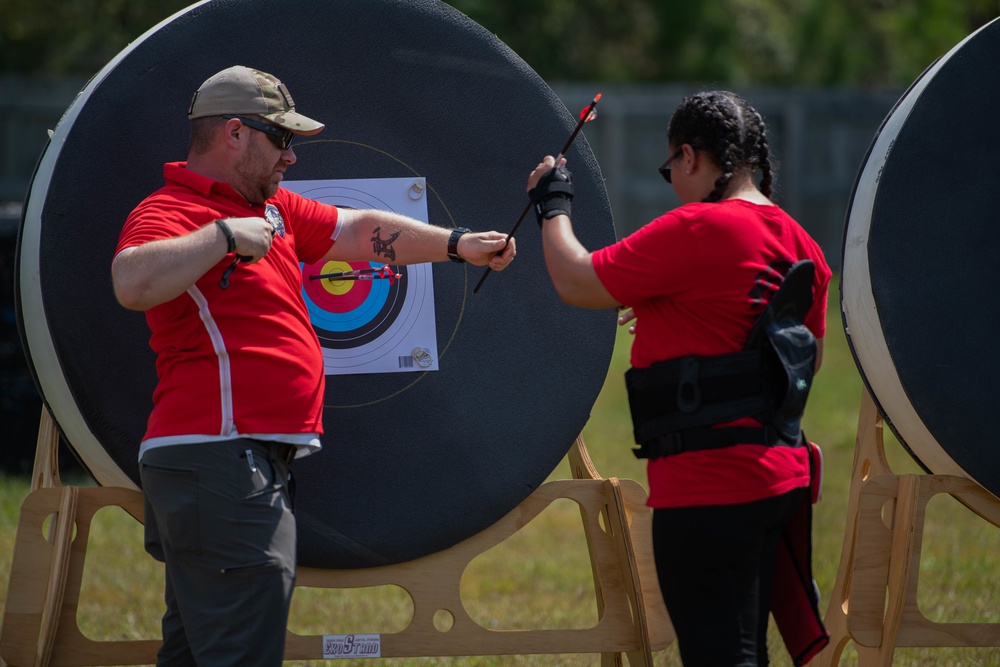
213	260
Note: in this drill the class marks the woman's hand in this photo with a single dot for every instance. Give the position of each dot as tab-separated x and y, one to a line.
626	316
547	164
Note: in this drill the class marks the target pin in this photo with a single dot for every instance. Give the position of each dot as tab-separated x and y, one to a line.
416	190
422	357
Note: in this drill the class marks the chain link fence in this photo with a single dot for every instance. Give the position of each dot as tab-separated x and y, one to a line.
819	137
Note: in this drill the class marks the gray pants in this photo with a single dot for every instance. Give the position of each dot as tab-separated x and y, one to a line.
219	515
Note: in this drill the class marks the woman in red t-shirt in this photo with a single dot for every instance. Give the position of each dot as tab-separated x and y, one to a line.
696	279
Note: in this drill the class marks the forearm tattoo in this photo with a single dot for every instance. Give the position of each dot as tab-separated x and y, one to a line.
384	246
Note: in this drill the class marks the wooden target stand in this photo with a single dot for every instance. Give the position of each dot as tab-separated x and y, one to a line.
40	626
874	599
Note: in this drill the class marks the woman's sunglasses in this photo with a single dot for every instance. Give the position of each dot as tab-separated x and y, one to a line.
665	167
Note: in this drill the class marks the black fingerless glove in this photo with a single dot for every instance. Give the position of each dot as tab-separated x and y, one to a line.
553	195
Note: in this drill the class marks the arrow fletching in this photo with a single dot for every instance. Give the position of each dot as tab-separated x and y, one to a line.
589	112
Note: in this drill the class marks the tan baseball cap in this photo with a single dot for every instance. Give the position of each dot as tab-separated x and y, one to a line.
241	90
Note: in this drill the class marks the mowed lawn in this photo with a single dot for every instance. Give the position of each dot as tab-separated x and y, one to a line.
540	578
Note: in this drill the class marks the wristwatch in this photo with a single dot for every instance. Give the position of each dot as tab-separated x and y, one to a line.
453	243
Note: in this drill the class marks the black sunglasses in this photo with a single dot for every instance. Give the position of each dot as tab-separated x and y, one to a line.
665	167
278	136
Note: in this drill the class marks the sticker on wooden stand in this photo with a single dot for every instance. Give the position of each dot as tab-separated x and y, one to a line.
342	647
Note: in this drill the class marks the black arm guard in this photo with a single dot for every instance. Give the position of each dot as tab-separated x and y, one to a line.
553	195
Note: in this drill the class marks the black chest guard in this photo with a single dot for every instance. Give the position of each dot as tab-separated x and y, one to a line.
676	403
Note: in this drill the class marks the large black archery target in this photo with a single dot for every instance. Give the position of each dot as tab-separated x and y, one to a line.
412	462
920	264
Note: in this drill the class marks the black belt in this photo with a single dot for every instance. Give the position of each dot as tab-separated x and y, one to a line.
691	392
706	437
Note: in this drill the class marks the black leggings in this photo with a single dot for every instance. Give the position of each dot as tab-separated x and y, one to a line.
716	566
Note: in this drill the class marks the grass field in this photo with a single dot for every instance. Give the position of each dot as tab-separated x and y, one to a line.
540	578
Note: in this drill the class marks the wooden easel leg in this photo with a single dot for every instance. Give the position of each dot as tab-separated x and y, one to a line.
627	558
63	527
904	522
616	520
581	466
40	614
45	474
869	460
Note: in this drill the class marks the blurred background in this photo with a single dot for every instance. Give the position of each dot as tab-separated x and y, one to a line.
824	75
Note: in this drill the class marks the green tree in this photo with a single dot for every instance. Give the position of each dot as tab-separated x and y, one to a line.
73	36
759	42
608	40
860	42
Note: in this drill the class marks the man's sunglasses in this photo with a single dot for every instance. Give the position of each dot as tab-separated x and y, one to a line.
665	167
279	137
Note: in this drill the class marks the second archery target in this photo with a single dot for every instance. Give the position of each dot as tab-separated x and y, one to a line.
919	264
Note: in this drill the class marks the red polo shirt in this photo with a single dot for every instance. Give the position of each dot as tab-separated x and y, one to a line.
697	279
241	360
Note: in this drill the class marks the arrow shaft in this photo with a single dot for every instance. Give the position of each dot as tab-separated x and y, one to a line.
584	117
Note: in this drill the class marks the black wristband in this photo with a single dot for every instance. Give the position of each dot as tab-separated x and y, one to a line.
552	206
553	195
453	243
228	233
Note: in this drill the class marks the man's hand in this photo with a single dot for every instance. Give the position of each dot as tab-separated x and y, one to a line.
253	237
482	248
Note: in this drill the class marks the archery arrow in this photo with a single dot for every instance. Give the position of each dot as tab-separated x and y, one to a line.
588	114
383	273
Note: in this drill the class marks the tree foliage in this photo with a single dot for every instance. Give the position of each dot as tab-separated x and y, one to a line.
77	37
761	42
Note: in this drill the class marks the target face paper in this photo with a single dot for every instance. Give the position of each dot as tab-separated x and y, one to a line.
375	324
